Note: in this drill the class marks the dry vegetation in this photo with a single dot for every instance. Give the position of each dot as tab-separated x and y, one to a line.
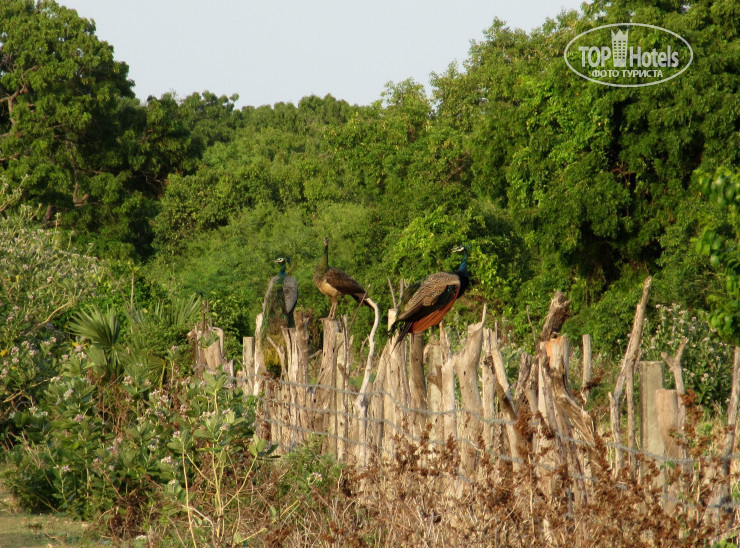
419	498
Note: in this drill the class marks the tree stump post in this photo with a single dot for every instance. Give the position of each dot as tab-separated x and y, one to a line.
465	363
323	401
626	375
433	358
417	383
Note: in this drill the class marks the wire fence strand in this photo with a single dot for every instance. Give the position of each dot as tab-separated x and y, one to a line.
343	424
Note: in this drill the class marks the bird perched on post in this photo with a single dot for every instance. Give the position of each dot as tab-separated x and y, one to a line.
433	299
277	311
334	283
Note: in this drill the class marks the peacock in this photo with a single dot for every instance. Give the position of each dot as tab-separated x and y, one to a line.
433	299
335	284
277	312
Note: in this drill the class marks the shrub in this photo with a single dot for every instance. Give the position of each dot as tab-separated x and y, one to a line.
99	449
706	361
42	278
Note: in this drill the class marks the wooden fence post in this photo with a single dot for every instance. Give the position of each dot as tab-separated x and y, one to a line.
449	407
341	400
322	403
588	368
506	402
488	387
465	363
626	375
247	371
721	493
260	371
417	383
674	364
433	359
377	405
557	313
526	384
392	384
570	414
651	380
296	368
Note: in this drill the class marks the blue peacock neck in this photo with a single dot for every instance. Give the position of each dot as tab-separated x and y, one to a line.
464	263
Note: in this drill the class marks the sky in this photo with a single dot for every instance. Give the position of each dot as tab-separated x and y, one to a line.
268	51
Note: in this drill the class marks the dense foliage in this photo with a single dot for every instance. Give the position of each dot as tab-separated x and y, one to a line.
42	279
552	182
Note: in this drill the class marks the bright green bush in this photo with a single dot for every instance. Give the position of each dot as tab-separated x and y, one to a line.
719	241
41	278
154	337
117	450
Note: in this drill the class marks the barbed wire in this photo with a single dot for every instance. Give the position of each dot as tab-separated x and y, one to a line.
429	413
385	445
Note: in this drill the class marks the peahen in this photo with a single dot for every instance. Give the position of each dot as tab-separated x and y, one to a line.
433	299
277	312
334	283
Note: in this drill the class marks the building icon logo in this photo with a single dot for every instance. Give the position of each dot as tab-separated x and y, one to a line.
619	49
628	55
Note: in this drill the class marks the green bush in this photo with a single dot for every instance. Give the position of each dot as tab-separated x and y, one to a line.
42	278
99	449
706	361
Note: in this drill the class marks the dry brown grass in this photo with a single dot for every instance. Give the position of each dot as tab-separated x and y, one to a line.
418	498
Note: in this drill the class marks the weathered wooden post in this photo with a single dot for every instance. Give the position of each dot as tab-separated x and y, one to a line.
362	402
674	364
465	363
666	410
433	359
526	383
722	490
323	401
488	387
392	381
449	407
210	357
397	380
506	403
378	407
417	383
247	372
260	371
626	376
296	369
341	400
588	368
651	440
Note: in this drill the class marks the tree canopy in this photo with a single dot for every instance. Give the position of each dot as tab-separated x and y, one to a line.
553	182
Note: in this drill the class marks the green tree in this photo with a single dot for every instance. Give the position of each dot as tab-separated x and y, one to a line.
719	241
59	94
73	136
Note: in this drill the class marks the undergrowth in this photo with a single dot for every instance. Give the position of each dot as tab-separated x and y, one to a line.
209	481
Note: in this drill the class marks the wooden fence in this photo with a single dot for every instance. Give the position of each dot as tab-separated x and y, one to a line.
462	401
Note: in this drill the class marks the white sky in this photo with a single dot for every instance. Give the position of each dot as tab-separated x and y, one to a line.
282	50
